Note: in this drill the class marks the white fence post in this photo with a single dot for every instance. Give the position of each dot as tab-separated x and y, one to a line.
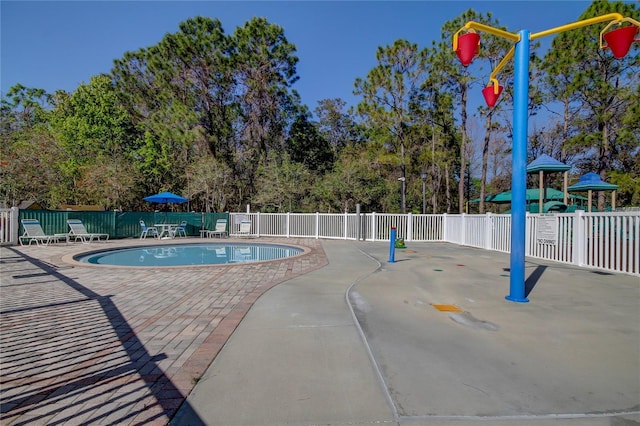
373	227
346	225
634	235
258	224
579	239
287	232
15	225
463	236
317	225
410	227
444	227
529	237
9	226
488	234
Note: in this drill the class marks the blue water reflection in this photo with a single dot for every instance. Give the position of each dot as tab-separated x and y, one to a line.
190	254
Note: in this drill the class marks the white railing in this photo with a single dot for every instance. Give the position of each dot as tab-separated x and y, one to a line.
612	241
9	225
607	241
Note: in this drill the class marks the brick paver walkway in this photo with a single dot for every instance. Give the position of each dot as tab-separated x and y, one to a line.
88	345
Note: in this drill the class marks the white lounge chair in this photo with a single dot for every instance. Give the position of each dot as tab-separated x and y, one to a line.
34	232
79	232
245	228
220	229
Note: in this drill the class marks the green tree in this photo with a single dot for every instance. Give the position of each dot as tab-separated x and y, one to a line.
28	150
281	184
265	70
627	164
28	170
307	146
437	156
386	93
200	92
211	185
357	178
457	80
336	125
494	49
23	107
180	94
96	133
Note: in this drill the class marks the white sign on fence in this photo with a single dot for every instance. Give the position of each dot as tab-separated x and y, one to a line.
547	230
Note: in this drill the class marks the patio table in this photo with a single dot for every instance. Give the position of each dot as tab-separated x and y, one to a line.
165	228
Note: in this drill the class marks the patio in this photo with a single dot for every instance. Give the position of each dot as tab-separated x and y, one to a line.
136	346
80	346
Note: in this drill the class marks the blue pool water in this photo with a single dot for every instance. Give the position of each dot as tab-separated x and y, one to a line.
189	254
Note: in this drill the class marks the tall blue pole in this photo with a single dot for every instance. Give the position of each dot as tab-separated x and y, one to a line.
519	169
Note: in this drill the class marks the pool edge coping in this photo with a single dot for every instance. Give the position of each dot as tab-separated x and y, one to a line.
68	258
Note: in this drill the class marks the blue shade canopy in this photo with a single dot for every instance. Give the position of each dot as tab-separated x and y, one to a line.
165	198
546	164
592	182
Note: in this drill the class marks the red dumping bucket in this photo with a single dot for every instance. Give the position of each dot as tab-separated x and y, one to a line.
619	40
468	47
490	97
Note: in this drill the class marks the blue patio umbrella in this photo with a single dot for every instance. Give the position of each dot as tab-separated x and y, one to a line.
165	198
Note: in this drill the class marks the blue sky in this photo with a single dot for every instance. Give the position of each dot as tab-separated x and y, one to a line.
59	45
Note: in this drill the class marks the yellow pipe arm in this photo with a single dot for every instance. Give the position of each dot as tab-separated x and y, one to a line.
491	30
502	63
471	26
579	24
615	18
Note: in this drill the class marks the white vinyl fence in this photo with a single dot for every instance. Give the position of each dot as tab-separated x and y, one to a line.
608	241
9	225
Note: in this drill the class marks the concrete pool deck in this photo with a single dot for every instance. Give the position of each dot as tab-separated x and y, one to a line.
338	336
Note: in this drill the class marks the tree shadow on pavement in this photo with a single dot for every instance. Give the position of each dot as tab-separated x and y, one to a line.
70	356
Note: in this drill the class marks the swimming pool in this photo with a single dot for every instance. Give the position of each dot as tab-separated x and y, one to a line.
189	254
